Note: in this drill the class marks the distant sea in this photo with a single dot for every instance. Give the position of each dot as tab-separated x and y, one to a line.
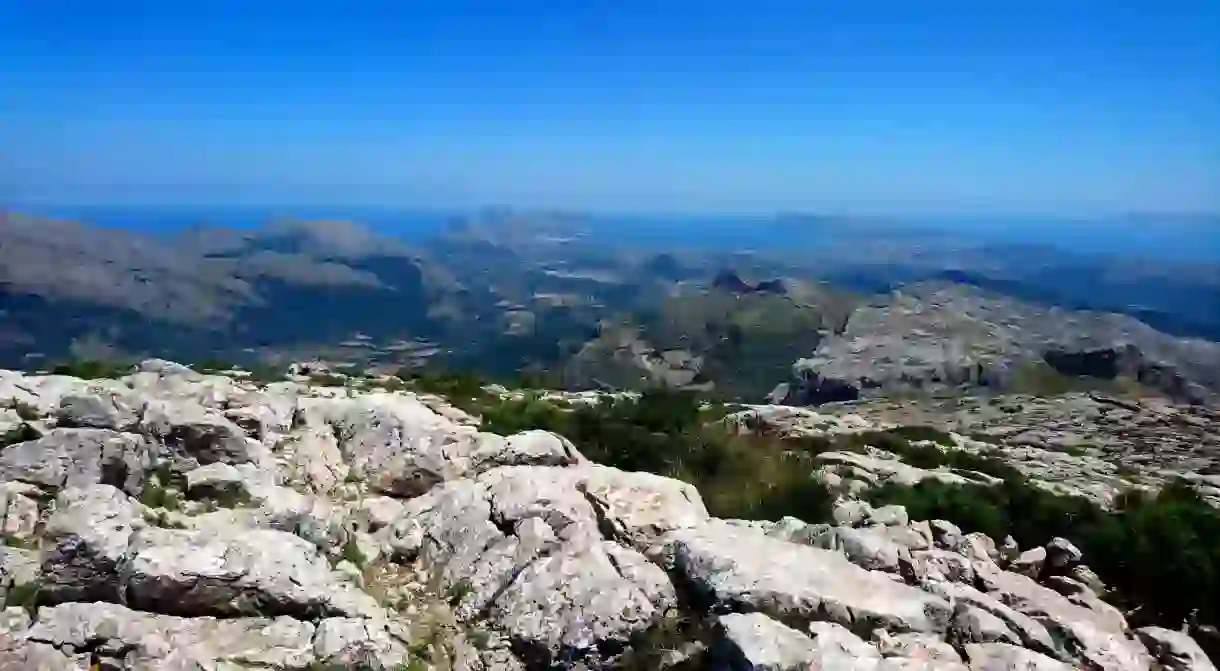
1173	239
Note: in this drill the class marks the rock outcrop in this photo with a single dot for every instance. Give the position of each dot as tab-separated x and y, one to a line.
171	520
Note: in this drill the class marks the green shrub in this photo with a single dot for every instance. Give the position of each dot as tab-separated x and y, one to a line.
1160	552
92	369
19	434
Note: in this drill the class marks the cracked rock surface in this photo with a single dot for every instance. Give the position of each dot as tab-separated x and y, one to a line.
173	520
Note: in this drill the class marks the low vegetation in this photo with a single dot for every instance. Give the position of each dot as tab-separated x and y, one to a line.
1161	552
90	369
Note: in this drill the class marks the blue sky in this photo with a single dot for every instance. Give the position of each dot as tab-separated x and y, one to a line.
889	106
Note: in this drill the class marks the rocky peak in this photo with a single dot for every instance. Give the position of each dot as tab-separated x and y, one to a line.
169	519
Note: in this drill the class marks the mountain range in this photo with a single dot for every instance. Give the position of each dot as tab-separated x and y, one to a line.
834	308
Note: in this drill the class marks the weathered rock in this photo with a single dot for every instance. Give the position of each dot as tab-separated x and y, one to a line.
890	516
869	547
528	448
583	601
86	544
754	641
850	512
1030	632
99	410
18	568
242	572
1005	657
357	643
1029	563
1174	650
637	507
917	647
18	512
125	638
78	458
946	535
1061	554
193	432
741	569
1094	637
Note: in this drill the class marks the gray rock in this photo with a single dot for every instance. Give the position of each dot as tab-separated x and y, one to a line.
528	448
638	507
1061	554
1030	632
581	599
742	569
241	572
918	647
851	512
943	565
1005	657
1174	650
86	544
1093	637
972	624
869	547
101	410
124	638
78	458
19	514
357	643
1029	563
194	432
946	535
756	642
890	516
216	479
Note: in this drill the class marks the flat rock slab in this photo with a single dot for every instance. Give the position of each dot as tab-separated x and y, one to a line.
242	572
743	570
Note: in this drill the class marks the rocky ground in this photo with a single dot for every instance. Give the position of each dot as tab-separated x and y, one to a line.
171	520
931	337
1087	444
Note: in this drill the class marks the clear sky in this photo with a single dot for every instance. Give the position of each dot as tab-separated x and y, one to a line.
1064	107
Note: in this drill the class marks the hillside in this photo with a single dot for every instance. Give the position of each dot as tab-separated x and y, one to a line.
212	521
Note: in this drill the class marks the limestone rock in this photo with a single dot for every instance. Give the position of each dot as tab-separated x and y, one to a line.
1094	637
1174	650
890	516
243	572
19	513
197	433
87	539
1005	657
850	512
755	641
100	410
583	600
1061	554
946	535
1030	562
126	638
353	643
528	448
78	458
743	570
